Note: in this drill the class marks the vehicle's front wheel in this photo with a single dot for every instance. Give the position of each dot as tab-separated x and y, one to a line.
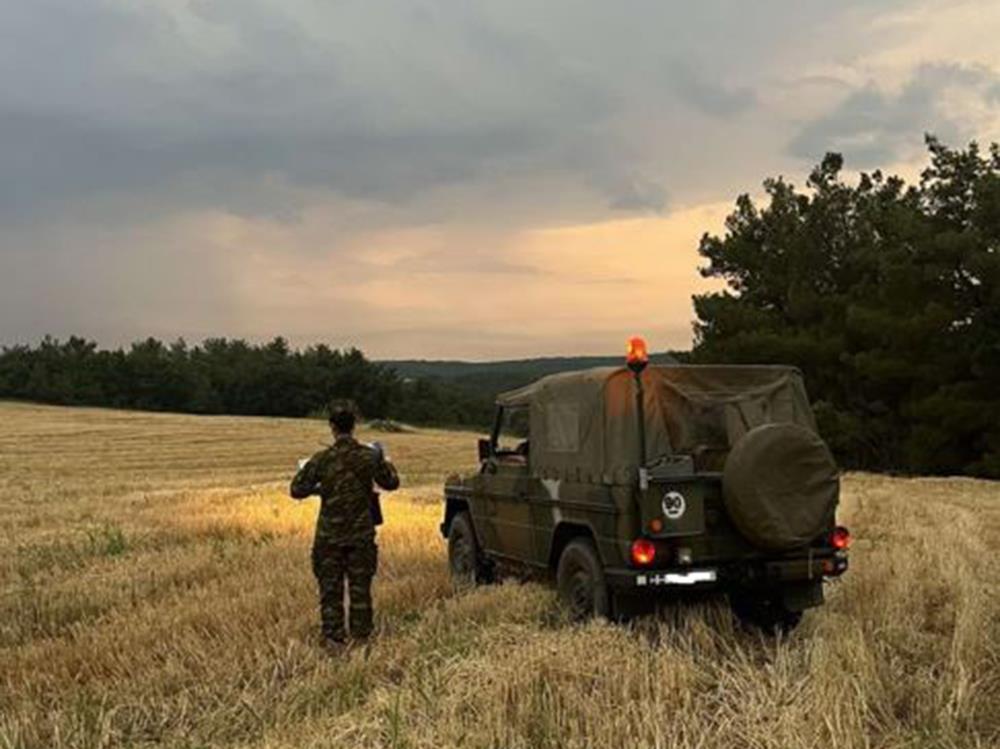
580	580
764	612
464	556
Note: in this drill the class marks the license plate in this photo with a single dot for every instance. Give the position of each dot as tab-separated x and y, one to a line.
691	577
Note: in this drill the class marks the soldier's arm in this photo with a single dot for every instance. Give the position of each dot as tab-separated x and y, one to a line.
306	481
385	473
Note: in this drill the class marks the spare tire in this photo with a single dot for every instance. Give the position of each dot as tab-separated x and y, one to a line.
780	486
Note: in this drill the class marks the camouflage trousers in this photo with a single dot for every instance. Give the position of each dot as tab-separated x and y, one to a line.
355	561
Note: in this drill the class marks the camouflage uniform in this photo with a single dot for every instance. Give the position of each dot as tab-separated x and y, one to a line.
344	545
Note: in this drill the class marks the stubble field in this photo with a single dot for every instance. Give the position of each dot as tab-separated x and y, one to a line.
155	589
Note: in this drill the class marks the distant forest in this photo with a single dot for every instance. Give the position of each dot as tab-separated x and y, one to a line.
886	295
222	376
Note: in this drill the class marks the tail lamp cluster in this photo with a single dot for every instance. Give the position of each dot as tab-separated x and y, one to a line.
840	538
643	552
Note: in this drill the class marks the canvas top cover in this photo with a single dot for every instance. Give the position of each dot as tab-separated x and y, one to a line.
584	428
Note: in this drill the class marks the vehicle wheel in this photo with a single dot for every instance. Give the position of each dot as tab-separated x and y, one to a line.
580	579
764	612
464	557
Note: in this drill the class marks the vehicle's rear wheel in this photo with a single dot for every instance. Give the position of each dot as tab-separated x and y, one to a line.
764	611
464	556
580	580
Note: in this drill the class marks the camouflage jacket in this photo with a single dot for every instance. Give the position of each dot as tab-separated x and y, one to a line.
343	476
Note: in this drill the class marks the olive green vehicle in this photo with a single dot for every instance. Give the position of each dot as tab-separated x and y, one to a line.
631	484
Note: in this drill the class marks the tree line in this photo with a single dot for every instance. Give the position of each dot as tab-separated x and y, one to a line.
224	376
886	295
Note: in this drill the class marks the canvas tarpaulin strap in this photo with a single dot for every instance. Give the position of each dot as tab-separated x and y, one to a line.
584	428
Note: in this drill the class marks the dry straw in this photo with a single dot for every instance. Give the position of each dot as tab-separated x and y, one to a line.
156	591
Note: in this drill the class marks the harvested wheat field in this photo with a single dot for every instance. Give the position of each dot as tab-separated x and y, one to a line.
156	590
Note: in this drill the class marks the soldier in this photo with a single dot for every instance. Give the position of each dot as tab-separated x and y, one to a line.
343	476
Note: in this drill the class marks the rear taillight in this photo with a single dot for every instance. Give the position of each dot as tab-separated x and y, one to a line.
643	552
840	538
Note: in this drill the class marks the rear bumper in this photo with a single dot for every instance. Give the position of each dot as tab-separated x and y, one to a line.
751	573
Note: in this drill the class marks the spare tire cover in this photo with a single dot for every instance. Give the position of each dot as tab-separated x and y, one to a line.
780	485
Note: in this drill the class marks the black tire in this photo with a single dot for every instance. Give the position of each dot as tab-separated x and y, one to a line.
764	612
580	580
465	560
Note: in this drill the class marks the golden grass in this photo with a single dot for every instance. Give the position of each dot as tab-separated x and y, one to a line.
155	590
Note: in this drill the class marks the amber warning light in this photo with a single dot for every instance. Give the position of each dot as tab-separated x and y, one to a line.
636	355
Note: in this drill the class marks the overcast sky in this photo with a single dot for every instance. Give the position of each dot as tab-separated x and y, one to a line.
435	179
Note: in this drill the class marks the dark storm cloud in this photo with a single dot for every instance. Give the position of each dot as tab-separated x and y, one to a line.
284	102
873	127
195	103
48	158
698	90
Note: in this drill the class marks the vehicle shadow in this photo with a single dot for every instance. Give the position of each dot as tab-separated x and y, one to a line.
703	623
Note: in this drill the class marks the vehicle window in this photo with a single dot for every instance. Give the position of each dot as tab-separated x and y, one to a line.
709	427
514	431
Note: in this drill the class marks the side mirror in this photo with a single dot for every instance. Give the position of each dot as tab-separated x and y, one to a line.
485	449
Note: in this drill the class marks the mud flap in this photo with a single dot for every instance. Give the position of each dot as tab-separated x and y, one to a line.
802	596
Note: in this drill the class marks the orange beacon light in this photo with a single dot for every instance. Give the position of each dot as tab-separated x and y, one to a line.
636	355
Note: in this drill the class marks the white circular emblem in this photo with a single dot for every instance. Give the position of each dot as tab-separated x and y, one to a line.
673	505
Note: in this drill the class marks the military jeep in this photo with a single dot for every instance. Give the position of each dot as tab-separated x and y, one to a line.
627	484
